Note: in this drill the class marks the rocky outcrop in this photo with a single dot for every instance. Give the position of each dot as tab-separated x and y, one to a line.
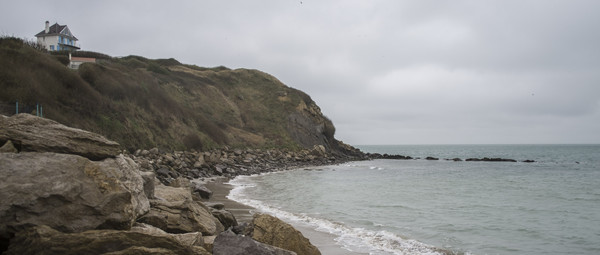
174	211
228	243
387	156
230	163
225	217
31	133
68	192
56	201
200	190
75	195
485	159
45	240
491	159
305	127
186	239
209	242
273	231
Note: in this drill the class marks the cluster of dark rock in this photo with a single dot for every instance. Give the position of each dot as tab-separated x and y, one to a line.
230	162
69	191
401	157
491	159
387	156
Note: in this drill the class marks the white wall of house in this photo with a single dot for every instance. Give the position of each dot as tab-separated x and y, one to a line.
47	41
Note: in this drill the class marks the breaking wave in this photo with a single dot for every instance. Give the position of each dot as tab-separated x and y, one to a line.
350	238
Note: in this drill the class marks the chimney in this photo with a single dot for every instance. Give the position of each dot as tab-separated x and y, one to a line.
47	26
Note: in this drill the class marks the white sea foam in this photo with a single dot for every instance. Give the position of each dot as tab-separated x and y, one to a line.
353	239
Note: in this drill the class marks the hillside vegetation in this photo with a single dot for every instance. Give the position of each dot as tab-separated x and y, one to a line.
145	103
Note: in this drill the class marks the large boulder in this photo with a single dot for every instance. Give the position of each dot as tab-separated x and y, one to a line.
319	150
173	210
69	193
31	133
201	190
185	239
273	231
45	240
228	243
225	217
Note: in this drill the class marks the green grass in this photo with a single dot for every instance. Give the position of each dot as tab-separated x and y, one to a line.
142	103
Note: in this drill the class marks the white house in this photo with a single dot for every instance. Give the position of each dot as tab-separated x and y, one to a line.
57	37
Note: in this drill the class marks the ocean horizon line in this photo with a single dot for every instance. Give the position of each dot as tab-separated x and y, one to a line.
486	144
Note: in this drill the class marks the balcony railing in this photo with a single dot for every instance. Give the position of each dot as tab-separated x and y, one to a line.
74	45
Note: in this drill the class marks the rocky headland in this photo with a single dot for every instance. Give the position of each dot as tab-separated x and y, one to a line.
70	191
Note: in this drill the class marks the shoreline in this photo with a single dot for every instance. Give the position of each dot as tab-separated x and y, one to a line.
325	242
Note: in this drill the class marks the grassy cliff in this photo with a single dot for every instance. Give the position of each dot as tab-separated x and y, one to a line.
144	103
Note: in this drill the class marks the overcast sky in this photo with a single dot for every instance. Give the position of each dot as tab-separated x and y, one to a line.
385	72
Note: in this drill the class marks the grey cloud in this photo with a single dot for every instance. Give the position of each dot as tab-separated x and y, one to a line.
384	71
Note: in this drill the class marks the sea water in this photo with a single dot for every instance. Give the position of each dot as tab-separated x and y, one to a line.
551	206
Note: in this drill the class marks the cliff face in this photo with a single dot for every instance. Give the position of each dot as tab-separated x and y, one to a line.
143	103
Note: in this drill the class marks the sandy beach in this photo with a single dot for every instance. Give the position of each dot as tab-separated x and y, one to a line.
323	241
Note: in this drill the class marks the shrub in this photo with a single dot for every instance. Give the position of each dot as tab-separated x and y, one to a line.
16	43
90	54
62	59
167	62
212	129
11	42
132	62
220	68
155	68
192	141
59	53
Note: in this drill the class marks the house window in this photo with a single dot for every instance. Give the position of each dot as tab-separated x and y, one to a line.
51	47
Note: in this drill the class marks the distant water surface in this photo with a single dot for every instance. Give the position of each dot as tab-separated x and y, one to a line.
551	206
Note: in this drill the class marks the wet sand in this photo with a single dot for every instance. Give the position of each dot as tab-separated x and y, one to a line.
323	241
220	189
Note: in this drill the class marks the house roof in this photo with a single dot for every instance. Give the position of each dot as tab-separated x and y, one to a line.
53	30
